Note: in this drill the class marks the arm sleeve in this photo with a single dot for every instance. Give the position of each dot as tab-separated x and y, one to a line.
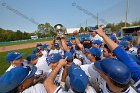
129	62
34	51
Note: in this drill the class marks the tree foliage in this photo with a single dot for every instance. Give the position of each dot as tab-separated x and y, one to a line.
81	30
136	23
86	29
46	30
9	35
118	26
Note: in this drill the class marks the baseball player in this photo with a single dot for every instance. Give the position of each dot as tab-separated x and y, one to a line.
79	80
32	58
46	50
77	77
19	80
107	53
110	75
53	62
15	58
122	56
67	46
96	43
94	54
56	49
38	50
94	35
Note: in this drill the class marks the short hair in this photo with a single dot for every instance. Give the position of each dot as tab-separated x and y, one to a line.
109	51
77	47
87	45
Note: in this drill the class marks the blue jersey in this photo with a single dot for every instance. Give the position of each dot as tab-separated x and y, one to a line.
34	51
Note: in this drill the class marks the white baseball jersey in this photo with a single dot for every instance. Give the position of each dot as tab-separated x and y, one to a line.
38	88
59	90
56	51
95	78
89	89
58	77
97	37
10	68
137	86
42	66
85	60
133	50
45	53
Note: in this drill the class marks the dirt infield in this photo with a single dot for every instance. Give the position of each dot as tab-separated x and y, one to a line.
21	46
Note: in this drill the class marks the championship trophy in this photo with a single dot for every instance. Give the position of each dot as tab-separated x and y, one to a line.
60	29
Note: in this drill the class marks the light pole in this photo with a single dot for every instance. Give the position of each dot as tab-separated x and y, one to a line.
126	13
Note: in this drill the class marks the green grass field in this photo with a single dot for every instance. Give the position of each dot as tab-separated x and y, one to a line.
4	65
23	42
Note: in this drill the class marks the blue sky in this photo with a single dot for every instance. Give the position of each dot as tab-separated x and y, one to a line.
62	11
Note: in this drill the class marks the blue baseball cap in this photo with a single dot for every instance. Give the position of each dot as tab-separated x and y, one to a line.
113	37
56	45
69	56
31	57
129	38
123	43
13	56
98	42
54	58
45	45
126	38
94	51
114	69
13	78
78	78
38	44
69	43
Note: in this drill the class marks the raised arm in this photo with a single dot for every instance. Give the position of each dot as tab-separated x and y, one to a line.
121	55
49	82
64	45
111	44
78	41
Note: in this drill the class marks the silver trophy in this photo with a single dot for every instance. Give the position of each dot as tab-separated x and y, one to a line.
60	29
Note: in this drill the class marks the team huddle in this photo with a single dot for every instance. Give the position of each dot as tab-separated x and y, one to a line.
99	63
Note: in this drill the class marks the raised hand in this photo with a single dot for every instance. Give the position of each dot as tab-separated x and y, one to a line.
100	32
63	62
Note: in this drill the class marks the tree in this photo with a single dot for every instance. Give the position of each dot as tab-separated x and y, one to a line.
117	27
86	29
135	23
45	30
81	30
9	35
